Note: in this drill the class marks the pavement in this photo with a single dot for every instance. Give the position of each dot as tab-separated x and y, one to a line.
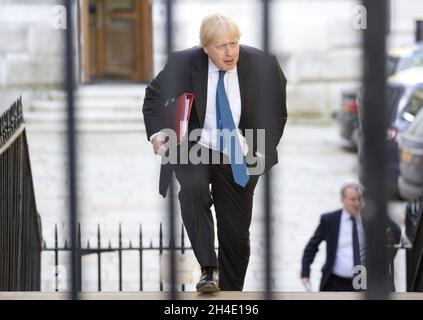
118	184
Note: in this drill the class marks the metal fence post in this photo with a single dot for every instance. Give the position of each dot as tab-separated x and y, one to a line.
182	248
71	147
140	254
120	257
56	259
267	205
375	212
161	252
79	260
99	257
171	202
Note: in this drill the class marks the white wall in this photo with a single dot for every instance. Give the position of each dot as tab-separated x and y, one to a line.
317	46
31	50
315	42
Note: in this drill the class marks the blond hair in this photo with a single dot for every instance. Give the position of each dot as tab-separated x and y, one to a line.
213	24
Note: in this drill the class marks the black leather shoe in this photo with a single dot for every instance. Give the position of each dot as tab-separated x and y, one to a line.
209	281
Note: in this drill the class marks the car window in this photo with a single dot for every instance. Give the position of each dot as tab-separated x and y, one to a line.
416	60
391	65
416	128
413	106
393	96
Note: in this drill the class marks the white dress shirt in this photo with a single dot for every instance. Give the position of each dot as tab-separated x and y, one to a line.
344	260
208	136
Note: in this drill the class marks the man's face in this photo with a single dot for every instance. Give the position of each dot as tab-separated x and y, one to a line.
352	201
224	50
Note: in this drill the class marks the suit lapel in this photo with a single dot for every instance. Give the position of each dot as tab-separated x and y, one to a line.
337	226
199	78
243	78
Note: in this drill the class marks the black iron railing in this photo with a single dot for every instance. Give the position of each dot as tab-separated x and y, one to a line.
20	227
60	252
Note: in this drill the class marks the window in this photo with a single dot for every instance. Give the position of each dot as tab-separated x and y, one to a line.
416	128
413	106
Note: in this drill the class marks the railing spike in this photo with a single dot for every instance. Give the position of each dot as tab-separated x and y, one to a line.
140	236
120	235
56	237
161	239
182	239
98	236
79	235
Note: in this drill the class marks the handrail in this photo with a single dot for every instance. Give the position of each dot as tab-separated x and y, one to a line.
20	226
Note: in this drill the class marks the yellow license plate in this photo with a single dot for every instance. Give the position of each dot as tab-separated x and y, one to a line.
406	156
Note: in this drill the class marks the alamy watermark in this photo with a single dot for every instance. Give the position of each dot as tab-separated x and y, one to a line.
59	17
235	145
360	280
359	20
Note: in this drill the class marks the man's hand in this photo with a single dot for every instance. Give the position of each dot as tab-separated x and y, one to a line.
158	142
306	283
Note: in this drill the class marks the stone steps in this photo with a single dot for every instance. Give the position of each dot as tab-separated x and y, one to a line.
99	104
98	108
85	116
86	128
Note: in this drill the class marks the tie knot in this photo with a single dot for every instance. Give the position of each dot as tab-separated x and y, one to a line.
221	74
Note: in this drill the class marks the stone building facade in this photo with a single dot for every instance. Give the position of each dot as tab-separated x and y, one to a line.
315	41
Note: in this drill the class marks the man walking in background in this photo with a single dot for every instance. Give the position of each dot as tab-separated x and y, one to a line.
344	233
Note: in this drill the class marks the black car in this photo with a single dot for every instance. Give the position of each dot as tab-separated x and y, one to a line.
404	58
402	89
410	182
347	118
397	60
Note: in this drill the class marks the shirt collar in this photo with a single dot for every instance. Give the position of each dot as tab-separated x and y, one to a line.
347	216
214	68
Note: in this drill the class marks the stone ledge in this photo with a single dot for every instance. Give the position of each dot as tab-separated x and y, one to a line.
228	295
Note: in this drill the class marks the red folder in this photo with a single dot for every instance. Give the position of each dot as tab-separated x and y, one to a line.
178	115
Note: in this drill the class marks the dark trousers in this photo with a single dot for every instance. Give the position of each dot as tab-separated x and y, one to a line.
336	283
233	206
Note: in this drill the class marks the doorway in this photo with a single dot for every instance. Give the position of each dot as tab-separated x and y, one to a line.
116	40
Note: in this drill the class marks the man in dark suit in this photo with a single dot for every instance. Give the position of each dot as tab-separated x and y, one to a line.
236	88
344	233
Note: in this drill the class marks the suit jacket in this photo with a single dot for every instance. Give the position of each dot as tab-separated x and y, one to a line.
263	97
328	230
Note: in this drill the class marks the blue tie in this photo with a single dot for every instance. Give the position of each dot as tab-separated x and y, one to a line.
229	136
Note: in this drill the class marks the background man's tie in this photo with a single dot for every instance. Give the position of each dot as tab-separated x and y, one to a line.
356	243
224	120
